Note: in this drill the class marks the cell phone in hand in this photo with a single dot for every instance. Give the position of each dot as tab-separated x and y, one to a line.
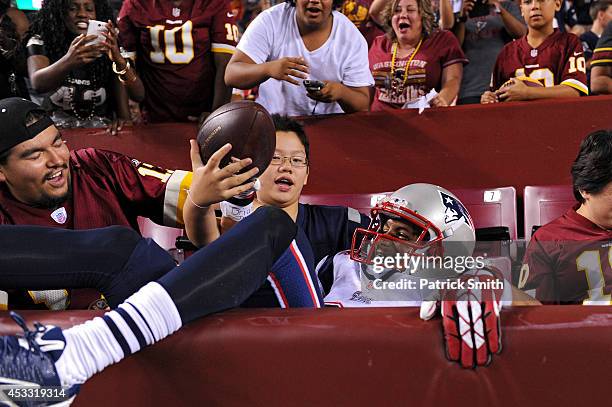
312	85
481	9
96	28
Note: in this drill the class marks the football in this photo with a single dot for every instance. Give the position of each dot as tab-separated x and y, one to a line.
247	126
526	80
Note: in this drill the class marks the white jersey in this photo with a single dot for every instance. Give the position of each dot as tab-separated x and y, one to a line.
351	288
342	58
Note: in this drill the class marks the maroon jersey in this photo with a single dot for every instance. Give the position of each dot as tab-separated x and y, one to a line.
358	12
569	260
438	51
559	60
602	55
107	189
174	49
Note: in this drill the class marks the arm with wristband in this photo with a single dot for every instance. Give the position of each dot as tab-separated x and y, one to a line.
210	185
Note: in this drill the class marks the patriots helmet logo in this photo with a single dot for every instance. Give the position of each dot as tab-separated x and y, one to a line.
454	210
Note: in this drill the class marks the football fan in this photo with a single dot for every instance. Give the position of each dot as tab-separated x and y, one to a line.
569	260
211	280
43	183
552	58
13	26
303	39
601	64
442	9
601	14
322	230
358	12
181	49
70	74
434	58
482	37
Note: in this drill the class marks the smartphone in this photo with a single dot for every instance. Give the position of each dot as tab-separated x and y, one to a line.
96	28
313	85
481	9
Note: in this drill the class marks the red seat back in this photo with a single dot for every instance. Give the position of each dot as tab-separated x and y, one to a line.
545	203
488	206
162	235
362	202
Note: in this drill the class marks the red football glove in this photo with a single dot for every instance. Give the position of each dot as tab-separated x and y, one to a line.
470	318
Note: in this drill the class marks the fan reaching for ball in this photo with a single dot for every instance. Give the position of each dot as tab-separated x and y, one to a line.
248	127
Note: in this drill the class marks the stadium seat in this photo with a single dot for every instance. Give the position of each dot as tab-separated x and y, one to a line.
362	202
489	207
503	264
163	235
545	203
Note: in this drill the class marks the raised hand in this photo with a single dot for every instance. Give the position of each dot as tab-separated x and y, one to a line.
80	53
211	184
288	68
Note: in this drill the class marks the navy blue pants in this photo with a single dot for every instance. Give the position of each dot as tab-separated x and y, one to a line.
117	262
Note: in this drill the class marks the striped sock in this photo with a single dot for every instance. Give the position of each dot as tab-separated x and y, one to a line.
143	319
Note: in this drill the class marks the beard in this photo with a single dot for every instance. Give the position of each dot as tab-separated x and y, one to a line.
52	202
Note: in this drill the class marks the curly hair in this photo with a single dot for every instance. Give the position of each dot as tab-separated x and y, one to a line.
9	39
428	18
49	24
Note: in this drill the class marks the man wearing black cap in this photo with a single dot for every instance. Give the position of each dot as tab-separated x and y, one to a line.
43	183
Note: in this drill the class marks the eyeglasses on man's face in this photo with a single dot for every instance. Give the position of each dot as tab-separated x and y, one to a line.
295	161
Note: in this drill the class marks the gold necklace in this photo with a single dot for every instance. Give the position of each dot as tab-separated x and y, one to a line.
396	86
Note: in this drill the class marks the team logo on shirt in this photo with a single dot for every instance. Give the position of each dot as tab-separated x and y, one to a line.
454	210
59	215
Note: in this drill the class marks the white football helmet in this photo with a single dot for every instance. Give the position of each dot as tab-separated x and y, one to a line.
443	224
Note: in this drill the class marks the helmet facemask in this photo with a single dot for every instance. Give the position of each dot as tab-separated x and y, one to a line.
371	246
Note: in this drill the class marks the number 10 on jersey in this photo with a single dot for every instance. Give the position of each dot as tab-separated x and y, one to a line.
169	51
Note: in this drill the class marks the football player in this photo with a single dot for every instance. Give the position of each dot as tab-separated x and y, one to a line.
546	55
209	281
181	48
569	260
422	220
601	64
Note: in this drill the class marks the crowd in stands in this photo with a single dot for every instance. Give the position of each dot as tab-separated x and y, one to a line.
150	61
180	60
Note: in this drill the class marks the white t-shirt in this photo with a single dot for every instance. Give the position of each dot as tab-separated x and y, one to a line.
342	58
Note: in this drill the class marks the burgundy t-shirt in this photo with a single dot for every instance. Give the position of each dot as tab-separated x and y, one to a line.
439	50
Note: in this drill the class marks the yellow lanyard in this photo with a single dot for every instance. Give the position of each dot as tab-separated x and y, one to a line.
407	64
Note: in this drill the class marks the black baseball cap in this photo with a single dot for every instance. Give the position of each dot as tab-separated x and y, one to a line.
13	113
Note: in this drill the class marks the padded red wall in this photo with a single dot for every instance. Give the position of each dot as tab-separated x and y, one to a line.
553	355
518	144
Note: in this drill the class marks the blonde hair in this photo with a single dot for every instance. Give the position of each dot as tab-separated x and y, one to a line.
428	18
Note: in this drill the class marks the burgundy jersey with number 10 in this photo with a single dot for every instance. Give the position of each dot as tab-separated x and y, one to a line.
173	47
559	60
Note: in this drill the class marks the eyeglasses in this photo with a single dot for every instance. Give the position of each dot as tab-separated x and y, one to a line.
297	161
530	2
